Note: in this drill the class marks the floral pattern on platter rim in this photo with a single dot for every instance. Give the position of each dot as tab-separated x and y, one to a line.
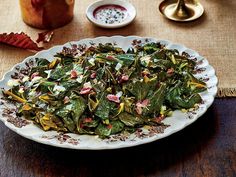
178	121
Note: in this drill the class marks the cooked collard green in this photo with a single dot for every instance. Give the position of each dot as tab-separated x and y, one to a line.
104	90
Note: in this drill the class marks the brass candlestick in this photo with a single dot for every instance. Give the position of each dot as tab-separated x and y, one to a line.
181	10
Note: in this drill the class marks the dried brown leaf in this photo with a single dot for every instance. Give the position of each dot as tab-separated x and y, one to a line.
45	36
20	40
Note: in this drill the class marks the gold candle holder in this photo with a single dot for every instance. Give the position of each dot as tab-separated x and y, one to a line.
181	10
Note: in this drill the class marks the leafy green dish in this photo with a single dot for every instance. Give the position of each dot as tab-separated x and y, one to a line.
104	90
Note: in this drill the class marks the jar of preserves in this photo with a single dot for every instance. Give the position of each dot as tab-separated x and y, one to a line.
47	14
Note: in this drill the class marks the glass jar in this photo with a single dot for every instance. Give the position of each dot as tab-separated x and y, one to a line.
47	14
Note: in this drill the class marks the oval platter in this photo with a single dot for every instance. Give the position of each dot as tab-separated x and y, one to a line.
178	121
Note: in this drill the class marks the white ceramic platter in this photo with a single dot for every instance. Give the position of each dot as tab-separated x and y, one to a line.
176	122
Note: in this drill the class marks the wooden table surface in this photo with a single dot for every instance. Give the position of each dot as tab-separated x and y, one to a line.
205	148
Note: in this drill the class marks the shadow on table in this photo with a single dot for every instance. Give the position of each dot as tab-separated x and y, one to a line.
75	32
132	29
200	21
152	158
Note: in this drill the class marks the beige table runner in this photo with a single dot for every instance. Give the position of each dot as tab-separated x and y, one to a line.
213	35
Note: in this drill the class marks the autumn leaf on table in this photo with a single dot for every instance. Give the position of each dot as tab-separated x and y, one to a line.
20	40
45	36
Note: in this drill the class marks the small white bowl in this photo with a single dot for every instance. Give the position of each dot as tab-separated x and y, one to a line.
131	13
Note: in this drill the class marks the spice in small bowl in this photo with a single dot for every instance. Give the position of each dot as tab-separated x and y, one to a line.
111	14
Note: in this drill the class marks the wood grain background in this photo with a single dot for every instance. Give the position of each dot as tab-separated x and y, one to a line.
206	148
